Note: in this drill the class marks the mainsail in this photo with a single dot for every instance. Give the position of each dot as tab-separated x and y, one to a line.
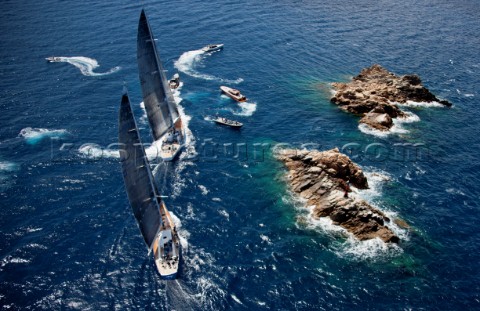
141	190
159	103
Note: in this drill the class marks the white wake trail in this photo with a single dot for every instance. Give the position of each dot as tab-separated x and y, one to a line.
189	61
85	64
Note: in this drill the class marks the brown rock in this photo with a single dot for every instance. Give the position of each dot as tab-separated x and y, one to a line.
379	121
374	90
321	178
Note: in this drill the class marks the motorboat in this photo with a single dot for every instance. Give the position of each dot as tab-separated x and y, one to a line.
212	47
53	59
233	93
227	122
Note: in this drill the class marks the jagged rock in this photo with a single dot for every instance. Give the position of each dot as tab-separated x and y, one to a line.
379	121
374	91
322	178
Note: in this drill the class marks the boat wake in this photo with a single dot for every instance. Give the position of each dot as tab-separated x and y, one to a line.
189	61
95	152
85	64
246	109
35	135
153	151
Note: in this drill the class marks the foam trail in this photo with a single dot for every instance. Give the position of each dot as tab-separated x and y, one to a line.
177	92
188	61
35	135
85	64
95	152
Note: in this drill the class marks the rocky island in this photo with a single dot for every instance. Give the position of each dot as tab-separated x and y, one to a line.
324	179
373	94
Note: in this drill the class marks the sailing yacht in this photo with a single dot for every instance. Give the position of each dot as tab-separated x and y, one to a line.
162	112
153	219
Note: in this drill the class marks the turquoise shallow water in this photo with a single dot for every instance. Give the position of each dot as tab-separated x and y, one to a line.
68	239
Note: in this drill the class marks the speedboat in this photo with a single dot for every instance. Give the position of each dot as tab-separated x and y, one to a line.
233	93
225	121
53	59
212	47
174	82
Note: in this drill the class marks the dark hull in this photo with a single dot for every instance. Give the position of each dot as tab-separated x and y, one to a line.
239	125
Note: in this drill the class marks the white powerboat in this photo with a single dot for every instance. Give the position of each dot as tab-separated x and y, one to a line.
212	47
233	93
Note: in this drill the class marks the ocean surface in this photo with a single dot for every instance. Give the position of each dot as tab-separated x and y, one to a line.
68	238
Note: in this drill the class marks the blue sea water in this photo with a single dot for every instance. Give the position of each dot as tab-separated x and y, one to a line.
68	239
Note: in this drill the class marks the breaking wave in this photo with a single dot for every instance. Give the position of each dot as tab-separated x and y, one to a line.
189	61
397	127
6	170
85	64
352	249
344	244
6	166
34	135
411	103
95	152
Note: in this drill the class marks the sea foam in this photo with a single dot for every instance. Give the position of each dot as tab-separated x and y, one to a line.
34	135
411	103
345	244
247	109
397	127
95	152
6	166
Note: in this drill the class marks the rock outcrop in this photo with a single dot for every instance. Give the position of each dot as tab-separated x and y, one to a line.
324	179
373	92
